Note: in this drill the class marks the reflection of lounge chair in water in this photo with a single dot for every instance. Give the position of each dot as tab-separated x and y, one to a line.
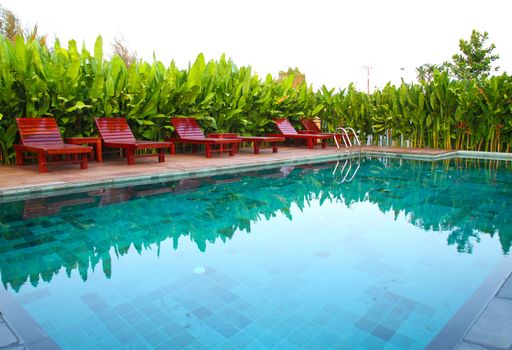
35	208
113	195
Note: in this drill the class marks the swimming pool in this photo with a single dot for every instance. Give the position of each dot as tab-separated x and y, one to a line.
292	257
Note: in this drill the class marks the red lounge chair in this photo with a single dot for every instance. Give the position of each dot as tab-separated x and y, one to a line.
289	132
188	131
256	141
116	133
42	136
312	128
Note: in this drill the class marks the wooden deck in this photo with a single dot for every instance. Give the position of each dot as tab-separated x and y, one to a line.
14	177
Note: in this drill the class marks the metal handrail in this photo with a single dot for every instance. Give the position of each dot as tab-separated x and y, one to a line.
346	173
344	136
355	135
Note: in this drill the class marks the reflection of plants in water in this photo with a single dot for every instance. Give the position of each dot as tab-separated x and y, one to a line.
433	196
461	237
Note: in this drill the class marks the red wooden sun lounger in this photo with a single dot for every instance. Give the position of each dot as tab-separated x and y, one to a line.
188	131
257	141
116	133
289	132
312	128
42	137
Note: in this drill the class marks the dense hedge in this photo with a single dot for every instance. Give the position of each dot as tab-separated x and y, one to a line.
75	86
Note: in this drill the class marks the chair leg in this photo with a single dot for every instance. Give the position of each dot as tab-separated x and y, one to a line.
41	160
130	156
161	155
83	163
19	157
256	147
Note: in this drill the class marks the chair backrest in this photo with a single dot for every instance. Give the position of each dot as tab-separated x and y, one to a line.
310	125
187	128
38	131
114	130
285	127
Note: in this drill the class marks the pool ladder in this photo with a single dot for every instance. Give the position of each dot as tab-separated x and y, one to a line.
344	132
347	172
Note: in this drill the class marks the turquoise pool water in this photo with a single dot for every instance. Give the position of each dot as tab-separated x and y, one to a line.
292	258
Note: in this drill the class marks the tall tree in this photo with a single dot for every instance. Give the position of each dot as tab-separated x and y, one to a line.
475	60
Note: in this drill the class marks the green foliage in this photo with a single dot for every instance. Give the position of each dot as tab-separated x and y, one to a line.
74	86
475	60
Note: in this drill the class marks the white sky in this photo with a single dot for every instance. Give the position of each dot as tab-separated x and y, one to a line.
328	40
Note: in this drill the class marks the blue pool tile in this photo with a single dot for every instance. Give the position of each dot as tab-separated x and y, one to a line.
95	302
117	325
402	341
149	310
127	336
365	324
183	339
255	330
132	317
391	322
155	337
242	339
270	339
196	345
256	346
373	343
298	338
168	345
109	342
383	332
322	317
171	328
287	345
213	320
284	329
268	320
143	326
201	312
159	318
227	345
326	338
124	308
226	329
